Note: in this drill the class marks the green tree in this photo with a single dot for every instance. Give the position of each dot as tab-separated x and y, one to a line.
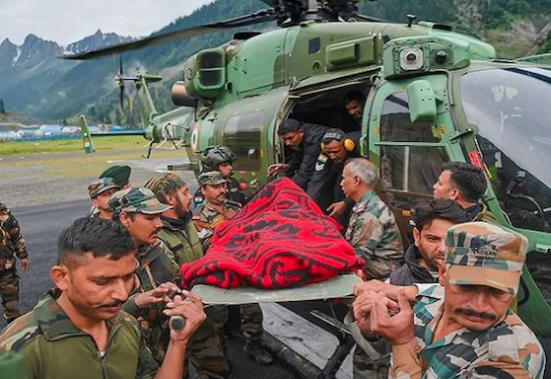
2	110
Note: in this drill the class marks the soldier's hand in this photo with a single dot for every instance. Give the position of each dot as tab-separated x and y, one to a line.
191	309
336	209
364	304
278	167
25	264
161	294
377	286
397	329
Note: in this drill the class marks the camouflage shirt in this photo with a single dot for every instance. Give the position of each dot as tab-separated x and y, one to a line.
508	349
51	347
11	243
373	233
155	266
210	218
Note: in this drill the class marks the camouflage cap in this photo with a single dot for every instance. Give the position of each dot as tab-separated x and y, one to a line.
479	253
212	177
163	184
120	174
99	186
140	200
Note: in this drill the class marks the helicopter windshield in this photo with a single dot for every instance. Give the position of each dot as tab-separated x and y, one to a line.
511	109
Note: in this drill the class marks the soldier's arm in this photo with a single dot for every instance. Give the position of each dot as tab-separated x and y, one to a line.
368	233
405	362
14	232
307	166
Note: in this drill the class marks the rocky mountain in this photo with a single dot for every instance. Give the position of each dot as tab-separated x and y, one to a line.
95	41
34	81
27	72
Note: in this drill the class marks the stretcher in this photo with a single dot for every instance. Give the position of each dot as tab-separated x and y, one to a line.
340	287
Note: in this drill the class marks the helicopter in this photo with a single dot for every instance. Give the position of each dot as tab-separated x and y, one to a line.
432	96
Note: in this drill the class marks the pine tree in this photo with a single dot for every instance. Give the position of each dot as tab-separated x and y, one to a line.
2	110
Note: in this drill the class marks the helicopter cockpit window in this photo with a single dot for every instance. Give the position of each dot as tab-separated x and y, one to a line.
410	168
396	125
511	109
242	134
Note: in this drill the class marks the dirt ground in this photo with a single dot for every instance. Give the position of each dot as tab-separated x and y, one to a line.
54	178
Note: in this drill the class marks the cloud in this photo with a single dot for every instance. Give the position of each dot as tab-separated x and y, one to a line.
66	21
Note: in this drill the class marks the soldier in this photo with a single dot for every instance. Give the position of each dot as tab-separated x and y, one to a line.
180	237
465	184
78	330
373	233
139	211
354	102
325	186
215	210
372	229
120	175
432	219
464	327
304	142
100	191
221	158
12	245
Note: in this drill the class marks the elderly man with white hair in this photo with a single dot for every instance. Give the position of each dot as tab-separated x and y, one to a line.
372	229
373	232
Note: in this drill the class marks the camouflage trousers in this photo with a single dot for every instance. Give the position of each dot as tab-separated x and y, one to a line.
366	368
251	322
205	350
9	291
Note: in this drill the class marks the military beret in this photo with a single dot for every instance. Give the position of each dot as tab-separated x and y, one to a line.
120	174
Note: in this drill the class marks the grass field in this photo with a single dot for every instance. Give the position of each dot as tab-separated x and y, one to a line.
10	148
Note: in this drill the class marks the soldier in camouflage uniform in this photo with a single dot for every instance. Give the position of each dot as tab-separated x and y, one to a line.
373	233
78	329
180	237
12	245
100	191
121	177
221	159
372	229
215	210
465	327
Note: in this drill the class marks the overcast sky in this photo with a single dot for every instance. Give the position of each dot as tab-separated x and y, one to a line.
66	21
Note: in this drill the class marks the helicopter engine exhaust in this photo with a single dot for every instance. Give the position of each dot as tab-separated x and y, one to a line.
180	96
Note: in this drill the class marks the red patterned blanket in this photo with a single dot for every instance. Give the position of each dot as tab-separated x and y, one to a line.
280	239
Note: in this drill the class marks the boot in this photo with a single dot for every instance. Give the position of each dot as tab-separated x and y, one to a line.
255	350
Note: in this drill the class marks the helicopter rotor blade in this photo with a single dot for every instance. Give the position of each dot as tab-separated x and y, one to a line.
254	18
368	18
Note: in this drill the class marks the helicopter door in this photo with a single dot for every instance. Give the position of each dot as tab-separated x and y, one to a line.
247	127
411	154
